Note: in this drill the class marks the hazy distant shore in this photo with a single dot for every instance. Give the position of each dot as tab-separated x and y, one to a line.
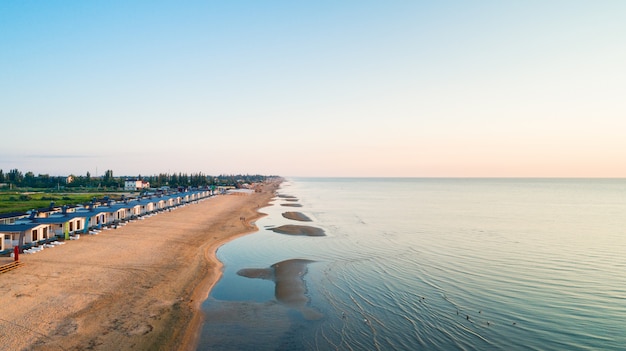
139	287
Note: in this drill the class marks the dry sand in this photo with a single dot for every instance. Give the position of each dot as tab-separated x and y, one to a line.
135	288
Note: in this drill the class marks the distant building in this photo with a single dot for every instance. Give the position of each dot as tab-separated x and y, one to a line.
135	184
10	218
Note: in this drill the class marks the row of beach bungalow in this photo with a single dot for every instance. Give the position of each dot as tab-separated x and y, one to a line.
42	227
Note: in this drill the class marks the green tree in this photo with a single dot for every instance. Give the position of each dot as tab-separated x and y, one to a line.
15	176
162	180
29	179
43	181
174	180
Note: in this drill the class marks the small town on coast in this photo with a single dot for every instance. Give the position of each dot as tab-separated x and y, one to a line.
113	203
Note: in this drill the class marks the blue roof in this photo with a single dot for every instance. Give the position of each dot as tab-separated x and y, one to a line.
13	214
17	228
51	220
59	218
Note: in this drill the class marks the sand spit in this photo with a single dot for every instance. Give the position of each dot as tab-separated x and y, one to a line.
135	288
296	216
292	229
290	287
291	205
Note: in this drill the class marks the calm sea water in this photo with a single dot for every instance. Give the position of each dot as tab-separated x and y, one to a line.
433	264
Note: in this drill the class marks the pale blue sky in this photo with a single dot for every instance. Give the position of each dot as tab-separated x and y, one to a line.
319	88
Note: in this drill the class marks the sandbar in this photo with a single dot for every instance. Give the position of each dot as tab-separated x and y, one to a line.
296	216
135	288
291	229
291	205
290	288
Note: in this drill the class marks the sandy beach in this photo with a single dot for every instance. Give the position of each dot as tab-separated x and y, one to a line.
135	288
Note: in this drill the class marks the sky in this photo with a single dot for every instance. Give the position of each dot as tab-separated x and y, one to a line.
314	88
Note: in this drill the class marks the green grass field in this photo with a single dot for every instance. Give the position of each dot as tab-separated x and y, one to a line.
13	201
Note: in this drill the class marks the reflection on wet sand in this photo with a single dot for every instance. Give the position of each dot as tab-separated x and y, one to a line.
292	229
290	288
244	325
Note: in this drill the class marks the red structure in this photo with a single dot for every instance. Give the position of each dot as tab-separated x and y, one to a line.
16	253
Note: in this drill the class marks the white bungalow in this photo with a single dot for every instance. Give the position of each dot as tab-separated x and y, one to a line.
119	212
185	198
20	234
97	219
94	217
133	209
160	204
63	225
149	206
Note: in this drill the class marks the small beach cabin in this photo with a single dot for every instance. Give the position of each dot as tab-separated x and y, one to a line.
28	233
64	223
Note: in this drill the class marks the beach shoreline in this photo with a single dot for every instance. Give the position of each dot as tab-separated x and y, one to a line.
190	340
136	288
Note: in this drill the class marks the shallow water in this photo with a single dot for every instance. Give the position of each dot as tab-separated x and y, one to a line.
453	264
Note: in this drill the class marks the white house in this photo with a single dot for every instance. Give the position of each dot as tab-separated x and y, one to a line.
135	184
11	234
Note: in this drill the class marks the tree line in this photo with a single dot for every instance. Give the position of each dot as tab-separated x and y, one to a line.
15	178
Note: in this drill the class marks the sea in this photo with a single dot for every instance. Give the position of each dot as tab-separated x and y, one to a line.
428	264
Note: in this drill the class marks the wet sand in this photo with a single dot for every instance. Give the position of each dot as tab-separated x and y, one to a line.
291	229
297	216
135	288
